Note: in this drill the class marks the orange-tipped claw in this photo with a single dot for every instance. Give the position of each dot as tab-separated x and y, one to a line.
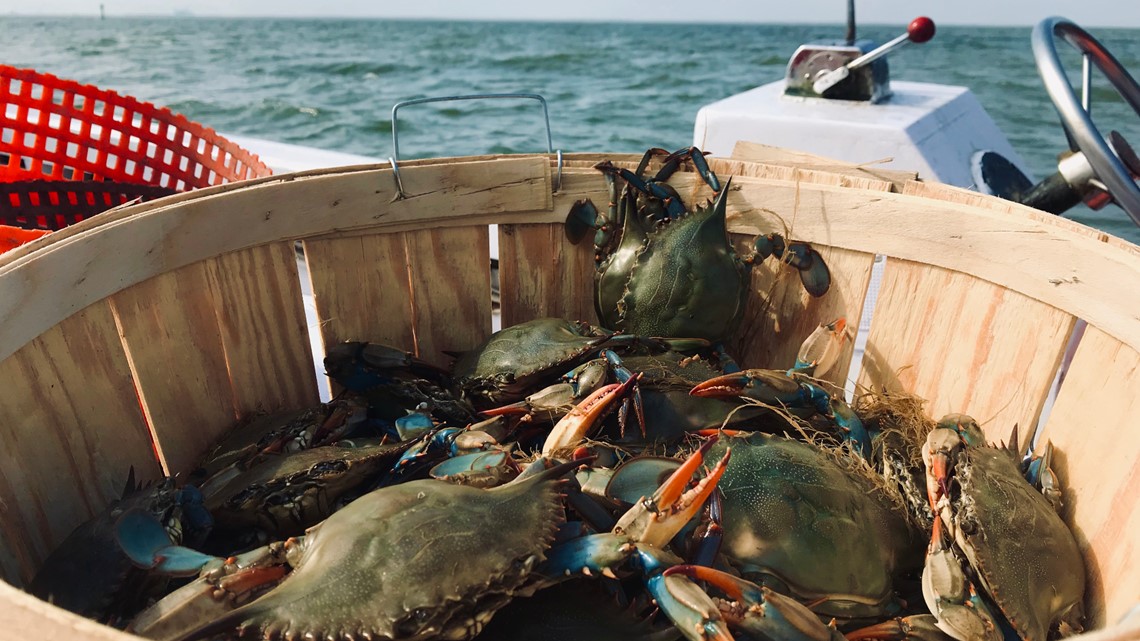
573	427
821	350
507	410
726	386
656	520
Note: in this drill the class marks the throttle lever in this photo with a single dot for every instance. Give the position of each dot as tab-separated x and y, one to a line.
918	31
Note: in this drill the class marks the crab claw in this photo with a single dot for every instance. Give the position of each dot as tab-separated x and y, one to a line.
814	274
583	218
573	427
769	386
821	350
146	543
942	445
692	611
920	627
657	519
587	555
758	610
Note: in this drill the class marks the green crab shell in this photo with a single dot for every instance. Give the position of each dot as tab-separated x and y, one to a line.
306	486
687	280
792	513
506	366
1024	553
424	559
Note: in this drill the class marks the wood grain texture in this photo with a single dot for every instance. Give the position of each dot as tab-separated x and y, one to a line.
1093	428
779	158
73	272
780	314
450	275
175	350
964	345
361	288
263	330
72	429
542	274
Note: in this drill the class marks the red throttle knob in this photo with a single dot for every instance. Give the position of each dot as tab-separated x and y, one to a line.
920	30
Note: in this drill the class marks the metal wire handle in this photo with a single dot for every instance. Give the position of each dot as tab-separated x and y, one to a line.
481	96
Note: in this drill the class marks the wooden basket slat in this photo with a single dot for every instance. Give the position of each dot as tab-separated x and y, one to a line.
72	273
1093	427
69	405
44	287
780	314
361	289
174	345
542	274
774	159
931	327
1015	252
450	273
263	329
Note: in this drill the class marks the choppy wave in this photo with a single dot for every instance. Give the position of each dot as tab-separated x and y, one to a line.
610	87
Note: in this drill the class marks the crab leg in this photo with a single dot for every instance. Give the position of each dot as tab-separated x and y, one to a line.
657	519
920	627
573	427
758	610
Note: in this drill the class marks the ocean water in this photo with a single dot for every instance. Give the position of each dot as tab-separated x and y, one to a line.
610	87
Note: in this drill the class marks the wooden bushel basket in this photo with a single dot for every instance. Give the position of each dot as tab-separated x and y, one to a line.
138	337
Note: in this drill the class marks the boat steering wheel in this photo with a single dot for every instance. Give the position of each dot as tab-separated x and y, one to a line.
1083	134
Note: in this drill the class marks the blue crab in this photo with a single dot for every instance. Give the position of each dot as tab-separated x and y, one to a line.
1026	569
420	560
89	575
666	270
800	521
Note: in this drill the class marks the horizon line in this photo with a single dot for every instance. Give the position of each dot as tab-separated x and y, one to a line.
176	15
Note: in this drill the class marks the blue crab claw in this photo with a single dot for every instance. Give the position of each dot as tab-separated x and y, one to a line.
758	610
657	519
814	274
587	555
699	162
415	424
821	350
146	543
774	387
478	469
690	609
768	245
360	366
572	428
854	431
583	218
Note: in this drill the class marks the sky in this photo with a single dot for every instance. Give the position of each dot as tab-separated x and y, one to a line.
1088	13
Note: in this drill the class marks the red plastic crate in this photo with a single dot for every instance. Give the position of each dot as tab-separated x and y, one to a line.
69	151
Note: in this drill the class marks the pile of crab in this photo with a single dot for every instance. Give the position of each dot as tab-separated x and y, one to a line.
565	481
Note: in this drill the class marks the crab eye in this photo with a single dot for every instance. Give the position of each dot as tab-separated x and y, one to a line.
413	624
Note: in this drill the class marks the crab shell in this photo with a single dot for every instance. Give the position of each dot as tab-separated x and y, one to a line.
1024	554
285	494
511	362
421	560
680	279
796	520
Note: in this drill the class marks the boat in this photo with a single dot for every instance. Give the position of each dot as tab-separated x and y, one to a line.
289	158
